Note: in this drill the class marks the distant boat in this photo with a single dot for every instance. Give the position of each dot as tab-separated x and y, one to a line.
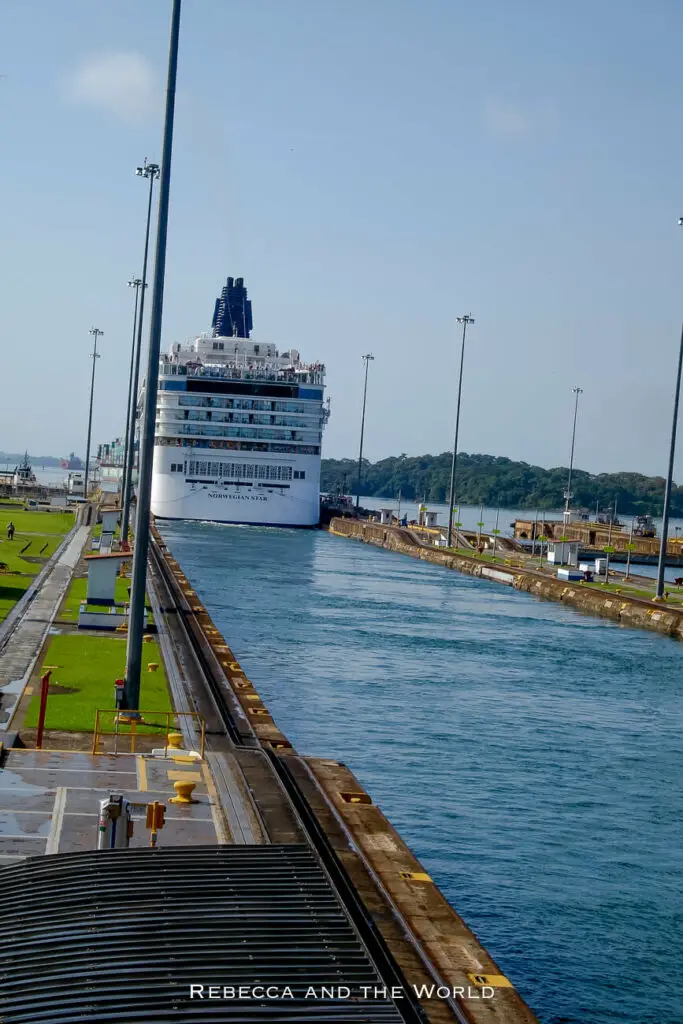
23	474
73	462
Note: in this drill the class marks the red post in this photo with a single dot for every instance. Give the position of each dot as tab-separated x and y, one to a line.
44	686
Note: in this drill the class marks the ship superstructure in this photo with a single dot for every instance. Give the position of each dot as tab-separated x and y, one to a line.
239	427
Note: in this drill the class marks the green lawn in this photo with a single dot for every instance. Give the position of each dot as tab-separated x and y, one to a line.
10	555
35	522
15	553
675	593
88	666
77	592
12	589
38	535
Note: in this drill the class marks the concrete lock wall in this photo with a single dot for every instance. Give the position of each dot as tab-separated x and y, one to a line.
628	611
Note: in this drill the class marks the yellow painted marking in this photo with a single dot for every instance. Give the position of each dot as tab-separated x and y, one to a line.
251	696
29	690
184	776
356	798
416	876
235	666
493	980
258	711
142	773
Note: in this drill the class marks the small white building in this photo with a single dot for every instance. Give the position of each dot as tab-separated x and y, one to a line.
430	520
386	516
563	552
102	572
110	517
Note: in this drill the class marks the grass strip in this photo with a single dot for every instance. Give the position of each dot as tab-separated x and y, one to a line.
84	668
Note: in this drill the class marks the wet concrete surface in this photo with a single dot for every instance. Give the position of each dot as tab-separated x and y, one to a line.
49	801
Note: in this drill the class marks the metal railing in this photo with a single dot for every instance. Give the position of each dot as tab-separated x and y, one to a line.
121	721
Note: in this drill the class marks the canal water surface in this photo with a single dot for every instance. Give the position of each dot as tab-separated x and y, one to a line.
530	756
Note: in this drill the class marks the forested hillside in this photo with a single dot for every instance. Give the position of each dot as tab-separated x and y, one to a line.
498	482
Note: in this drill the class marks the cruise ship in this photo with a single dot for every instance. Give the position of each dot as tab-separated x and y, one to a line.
239	426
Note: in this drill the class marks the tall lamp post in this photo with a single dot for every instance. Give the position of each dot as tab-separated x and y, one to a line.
669	477
367	358
465	320
96	333
568	493
151	172
135	282
136	623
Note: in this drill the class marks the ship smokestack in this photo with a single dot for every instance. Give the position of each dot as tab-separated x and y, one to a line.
232	312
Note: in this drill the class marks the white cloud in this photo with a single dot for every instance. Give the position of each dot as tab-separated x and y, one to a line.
122	84
507	121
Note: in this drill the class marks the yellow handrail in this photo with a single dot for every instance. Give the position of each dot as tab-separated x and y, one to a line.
132	723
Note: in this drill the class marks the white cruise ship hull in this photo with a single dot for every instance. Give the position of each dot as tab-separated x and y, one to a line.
191	496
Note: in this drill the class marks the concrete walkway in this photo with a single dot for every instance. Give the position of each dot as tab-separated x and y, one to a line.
22	647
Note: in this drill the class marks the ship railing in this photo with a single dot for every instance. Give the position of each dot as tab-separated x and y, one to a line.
314	374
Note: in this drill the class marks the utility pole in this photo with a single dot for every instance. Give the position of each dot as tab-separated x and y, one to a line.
568	492
465	320
366	359
151	172
96	333
136	624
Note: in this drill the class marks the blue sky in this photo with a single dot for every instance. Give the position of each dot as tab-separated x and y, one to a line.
373	170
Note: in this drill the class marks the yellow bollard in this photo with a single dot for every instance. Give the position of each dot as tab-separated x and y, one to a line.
175	740
153	666
183	793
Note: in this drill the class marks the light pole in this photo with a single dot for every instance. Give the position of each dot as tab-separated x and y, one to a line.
96	333
134	283
568	492
608	548
465	320
367	359
495	533
669	477
151	172
629	548
136	624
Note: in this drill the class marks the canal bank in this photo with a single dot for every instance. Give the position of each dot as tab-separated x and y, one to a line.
618	607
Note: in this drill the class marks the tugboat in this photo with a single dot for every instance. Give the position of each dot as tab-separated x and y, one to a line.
23	474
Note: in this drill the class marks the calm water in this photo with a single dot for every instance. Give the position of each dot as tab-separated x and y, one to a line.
529	755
